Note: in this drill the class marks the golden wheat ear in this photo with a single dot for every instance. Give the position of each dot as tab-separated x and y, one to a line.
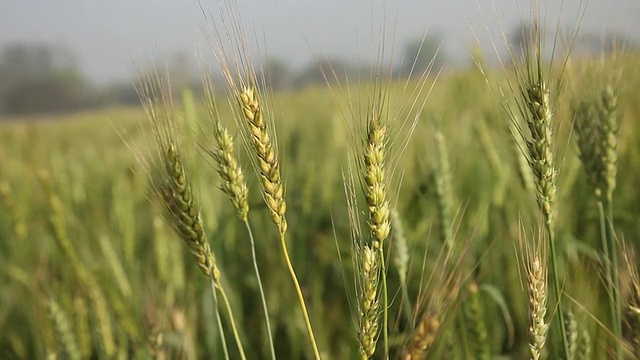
268	163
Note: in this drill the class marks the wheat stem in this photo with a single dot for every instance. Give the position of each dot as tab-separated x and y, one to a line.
261	290
617	303
303	306
273	190
223	340
232	321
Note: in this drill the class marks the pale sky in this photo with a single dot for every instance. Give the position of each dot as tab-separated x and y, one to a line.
108	36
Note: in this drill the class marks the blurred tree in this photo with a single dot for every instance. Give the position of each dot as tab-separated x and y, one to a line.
276	74
523	41
608	43
420	53
40	78
323	70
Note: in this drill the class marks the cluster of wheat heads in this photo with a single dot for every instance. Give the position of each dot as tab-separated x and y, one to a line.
534	121
421	328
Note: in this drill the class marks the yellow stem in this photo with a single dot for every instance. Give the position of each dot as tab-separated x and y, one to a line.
285	253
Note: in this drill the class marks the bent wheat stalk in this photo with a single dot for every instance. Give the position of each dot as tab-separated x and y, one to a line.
172	184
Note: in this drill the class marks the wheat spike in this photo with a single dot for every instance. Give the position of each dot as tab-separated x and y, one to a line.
424	336
268	163
610	132
233	182
64	335
536	274
369	304
375	183
178	199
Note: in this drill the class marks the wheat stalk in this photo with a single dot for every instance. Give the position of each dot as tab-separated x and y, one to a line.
102	329
596	125
172	184
235	186
439	292
535	107
375	193
273	189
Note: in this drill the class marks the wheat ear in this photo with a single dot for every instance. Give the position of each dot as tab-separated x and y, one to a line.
534	103
572	334
444	192
597	127
536	274
64	335
610	132
375	192
273	189
268	163
172	184
179	201
235	186
424	336
477	327
369	302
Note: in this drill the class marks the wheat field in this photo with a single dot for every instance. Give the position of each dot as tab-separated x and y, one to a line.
475	214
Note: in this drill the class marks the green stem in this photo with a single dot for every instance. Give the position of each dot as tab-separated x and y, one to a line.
232	321
218	320
557	291
303	306
385	304
607	264
614	282
261	290
406	302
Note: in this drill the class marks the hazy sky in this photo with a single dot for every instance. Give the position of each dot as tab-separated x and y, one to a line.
109	35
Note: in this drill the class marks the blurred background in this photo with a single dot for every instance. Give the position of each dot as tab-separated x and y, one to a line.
77	54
